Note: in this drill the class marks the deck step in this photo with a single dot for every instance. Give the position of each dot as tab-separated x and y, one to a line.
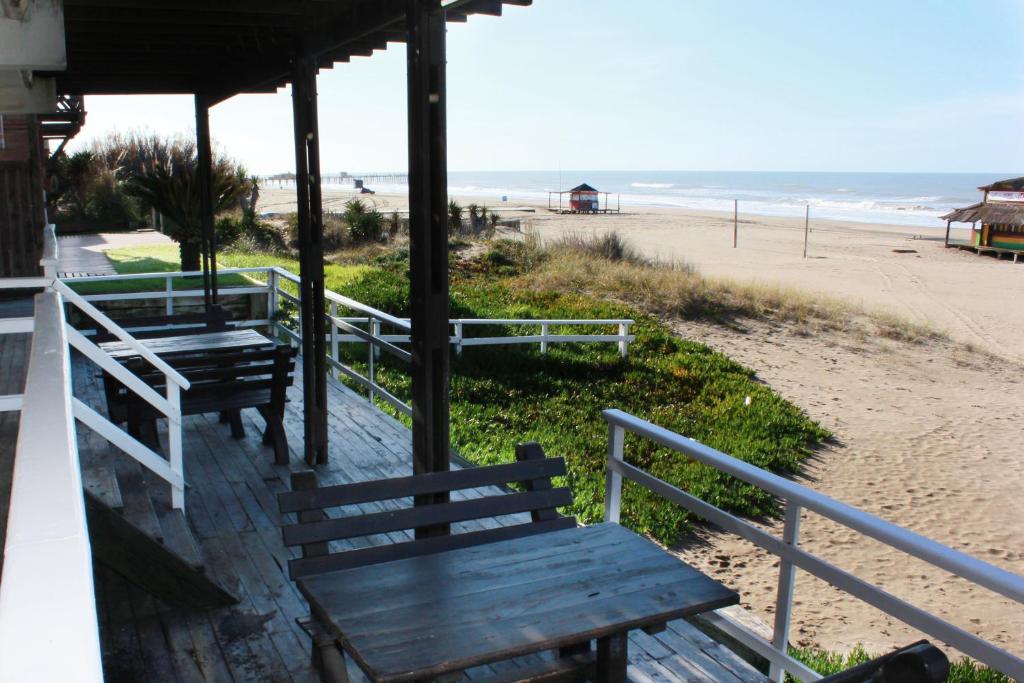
138	507
178	537
149	564
98	475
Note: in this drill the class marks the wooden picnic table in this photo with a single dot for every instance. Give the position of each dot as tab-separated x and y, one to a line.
188	344
442	613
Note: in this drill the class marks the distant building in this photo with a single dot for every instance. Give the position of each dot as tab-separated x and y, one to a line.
582	199
997	221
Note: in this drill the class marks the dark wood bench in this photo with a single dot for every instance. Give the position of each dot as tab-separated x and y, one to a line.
223	383
215	320
383	507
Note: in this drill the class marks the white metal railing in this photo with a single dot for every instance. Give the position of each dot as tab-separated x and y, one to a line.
380	331
362	324
787	548
48	625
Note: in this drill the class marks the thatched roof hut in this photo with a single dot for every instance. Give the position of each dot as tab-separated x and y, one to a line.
1001	215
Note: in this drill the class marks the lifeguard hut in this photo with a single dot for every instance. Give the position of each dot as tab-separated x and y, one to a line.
1000	214
582	199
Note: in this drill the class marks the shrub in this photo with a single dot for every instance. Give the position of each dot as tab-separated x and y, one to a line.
610	246
248	234
365	224
337	234
454	217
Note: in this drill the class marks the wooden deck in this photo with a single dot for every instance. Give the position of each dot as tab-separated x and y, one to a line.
232	512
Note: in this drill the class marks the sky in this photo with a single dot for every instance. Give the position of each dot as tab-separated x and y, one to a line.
746	85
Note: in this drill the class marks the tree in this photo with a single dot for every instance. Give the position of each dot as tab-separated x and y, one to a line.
172	188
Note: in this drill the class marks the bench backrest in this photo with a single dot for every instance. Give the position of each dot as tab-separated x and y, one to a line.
386	509
215	320
224	373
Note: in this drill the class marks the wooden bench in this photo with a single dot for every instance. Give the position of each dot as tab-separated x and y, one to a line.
222	383
144	327
386	510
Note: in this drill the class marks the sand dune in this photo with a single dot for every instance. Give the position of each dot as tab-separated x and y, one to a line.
927	436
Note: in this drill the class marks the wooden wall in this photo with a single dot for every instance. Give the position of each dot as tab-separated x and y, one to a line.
22	209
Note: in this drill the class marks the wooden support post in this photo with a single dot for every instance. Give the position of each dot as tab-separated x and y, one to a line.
428	244
735	221
946	243
807	227
311	258
612	652
204	176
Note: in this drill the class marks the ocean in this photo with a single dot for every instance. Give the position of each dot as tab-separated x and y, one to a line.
896	198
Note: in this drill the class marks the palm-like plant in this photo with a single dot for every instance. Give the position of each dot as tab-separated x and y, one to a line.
454	217
172	188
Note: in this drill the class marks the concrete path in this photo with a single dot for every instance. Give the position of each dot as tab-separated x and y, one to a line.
84	254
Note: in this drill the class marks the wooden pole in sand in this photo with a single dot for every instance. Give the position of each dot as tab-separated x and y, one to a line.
735	220
807	225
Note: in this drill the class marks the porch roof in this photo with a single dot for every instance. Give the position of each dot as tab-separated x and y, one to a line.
223	48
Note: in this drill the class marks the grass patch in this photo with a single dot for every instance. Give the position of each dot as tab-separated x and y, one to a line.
827	663
607	267
164	258
501	396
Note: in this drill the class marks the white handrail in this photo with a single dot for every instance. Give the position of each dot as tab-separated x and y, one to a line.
48	624
116	330
51	252
798	497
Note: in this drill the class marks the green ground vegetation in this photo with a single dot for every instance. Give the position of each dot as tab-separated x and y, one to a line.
827	663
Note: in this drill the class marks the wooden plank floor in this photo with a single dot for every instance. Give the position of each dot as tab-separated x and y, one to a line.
232	510
14	352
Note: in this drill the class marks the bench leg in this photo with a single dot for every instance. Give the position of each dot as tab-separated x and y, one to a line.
611	658
329	662
275	435
235	420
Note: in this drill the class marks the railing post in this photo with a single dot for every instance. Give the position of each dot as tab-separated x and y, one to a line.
612	478
370	346
174	441
624	341
784	598
543	338
458	337
375	331
272	299
334	337
169	289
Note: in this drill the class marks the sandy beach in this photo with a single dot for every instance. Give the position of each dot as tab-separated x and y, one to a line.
927	435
